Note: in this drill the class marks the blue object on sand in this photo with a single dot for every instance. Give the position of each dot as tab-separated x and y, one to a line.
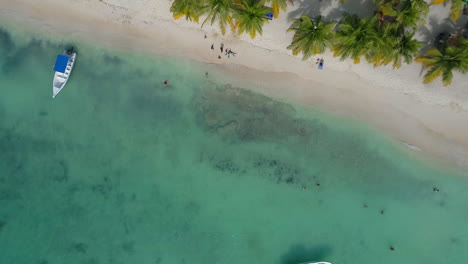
320	66
269	16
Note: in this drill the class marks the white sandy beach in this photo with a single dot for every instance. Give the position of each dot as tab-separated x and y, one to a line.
431	117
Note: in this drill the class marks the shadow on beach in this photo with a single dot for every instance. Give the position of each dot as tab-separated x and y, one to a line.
331	10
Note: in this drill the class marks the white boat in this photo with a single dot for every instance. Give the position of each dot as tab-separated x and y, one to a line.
320	262
63	67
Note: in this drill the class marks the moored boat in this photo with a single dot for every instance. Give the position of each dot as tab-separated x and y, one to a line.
63	67
320	262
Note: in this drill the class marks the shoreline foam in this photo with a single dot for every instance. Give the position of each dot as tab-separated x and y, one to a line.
431	120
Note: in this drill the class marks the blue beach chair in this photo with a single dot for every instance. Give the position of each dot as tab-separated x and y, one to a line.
320	65
269	16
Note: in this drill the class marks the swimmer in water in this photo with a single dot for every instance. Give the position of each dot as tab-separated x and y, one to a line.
165	83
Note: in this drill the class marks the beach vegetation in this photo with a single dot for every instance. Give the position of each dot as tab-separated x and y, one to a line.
220	11
250	17
379	42
191	9
311	36
355	38
412	14
401	48
441	62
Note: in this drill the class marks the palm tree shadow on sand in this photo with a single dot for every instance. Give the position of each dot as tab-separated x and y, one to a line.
313	8
300	254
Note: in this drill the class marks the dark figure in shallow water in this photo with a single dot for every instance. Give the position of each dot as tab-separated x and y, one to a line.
317	184
382	212
435	189
392	248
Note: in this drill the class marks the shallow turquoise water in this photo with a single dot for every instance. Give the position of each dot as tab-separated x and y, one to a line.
120	169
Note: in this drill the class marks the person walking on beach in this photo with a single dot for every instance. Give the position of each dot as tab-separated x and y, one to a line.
222	47
205	36
212	46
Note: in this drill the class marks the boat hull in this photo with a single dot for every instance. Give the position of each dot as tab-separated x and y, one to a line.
61	78
320	262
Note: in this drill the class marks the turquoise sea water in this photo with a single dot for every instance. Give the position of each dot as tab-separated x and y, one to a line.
120	169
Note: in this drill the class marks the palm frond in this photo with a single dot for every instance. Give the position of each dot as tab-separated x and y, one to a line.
312	36
456	9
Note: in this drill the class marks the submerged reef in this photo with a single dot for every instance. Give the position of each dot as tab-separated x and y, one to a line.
239	114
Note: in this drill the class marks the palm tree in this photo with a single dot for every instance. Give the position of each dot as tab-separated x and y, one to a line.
355	38
456	8
403	49
251	16
443	62
380	53
312	36
412	13
220	10
421	6
387	7
276	5
191	9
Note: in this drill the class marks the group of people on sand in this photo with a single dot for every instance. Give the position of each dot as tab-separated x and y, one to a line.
227	52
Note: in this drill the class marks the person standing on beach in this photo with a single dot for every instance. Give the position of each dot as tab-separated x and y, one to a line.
222	47
212	46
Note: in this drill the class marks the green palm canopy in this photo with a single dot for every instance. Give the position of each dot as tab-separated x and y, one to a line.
250	17
311	36
220	11
403	48
355	38
443	63
191	9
